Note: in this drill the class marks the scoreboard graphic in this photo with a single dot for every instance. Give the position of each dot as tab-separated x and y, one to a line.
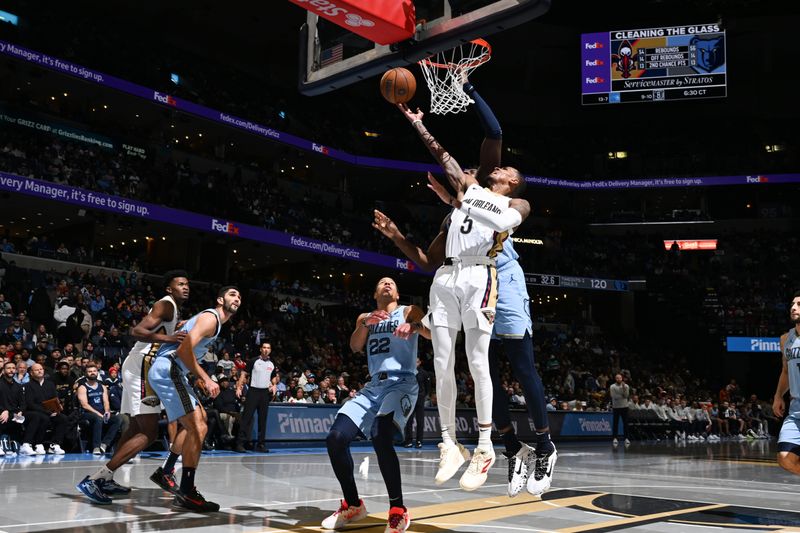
653	64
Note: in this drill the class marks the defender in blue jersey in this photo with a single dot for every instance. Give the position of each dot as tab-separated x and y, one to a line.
168	378
380	410
789	437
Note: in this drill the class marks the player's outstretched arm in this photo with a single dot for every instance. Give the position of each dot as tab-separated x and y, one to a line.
205	326
492	145
427	260
162	311
455	175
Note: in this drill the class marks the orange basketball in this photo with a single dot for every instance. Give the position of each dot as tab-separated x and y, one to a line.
398	85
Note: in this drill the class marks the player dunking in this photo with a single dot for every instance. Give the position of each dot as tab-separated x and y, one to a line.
464	292
168	379
381	409
789	437
138	399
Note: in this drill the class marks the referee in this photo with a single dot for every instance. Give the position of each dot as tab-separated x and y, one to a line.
261	371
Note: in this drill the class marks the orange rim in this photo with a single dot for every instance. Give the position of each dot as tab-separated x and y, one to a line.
484	57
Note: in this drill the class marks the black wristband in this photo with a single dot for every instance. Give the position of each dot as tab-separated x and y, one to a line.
469	88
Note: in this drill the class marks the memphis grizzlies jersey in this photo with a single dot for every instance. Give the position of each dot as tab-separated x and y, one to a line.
167	328
387	353
507	255
791	351
169	348
466	237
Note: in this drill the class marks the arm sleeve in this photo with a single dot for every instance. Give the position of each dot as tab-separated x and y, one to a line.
507	219
489	122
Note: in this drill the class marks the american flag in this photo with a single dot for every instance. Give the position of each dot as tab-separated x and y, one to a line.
331	55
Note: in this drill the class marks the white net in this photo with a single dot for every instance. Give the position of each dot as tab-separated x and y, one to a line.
444	73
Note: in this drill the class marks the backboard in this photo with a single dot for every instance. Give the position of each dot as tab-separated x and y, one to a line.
332	57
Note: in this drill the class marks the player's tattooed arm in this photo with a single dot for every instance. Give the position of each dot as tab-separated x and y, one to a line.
455	175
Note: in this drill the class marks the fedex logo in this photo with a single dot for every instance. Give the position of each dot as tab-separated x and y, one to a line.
593	46
595	80
757	179
595	63
164	98
405	265
320	148
227	227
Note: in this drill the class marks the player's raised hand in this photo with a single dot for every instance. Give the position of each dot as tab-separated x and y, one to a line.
443	194
385	225
778	406
411	115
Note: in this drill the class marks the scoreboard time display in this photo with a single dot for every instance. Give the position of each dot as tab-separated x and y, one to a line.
653	64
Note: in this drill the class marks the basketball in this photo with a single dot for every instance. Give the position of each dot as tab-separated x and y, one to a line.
398	85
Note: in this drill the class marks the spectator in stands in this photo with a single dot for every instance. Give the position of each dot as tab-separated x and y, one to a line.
96	410
734	419
227	405
42	412
311	384
330	397
42	334
552	405
316	398
113	385
299	396
64	383
12	401
342	391
5	307
226	364
22	377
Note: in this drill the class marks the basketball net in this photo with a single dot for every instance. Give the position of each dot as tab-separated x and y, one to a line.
444	73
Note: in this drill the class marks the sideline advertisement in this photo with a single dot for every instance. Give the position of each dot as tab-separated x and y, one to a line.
753	344
298	422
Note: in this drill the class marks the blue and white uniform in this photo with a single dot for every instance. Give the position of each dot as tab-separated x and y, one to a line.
167	374
513	318
789	436
393	367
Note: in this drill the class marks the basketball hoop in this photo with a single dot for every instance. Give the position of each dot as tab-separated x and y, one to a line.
443	73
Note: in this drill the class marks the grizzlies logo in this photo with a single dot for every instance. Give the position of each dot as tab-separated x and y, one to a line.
405	405
710	53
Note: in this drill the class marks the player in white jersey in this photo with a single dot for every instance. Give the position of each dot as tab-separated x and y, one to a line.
464	293
139	401
789	438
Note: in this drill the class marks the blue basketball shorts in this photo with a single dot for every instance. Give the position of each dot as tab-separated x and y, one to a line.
397	394
169	382
513	318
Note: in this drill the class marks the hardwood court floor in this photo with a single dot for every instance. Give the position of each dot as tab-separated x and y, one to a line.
644	488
